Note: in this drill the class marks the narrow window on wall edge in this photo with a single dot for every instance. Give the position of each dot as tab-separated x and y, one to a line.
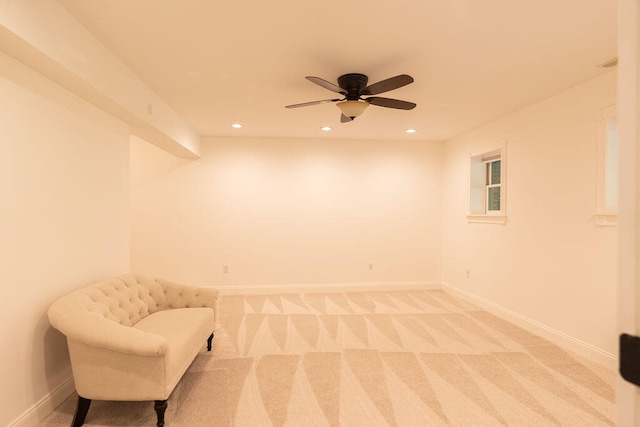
487	187
607	191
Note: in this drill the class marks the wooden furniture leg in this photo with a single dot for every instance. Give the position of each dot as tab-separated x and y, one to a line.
160	407
209	342
81	411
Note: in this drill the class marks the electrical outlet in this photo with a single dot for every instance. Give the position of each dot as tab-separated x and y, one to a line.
370	266
468	273
225	269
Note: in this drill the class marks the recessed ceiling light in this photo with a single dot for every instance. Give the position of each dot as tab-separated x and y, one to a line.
410	131
236	125
325	128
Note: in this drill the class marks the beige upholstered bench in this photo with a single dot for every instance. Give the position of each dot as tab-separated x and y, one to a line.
132	338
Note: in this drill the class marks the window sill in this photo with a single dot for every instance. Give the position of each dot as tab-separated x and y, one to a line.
487	219
606	219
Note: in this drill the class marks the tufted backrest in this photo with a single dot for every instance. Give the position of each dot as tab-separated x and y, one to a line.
100	315
184	296
128	299
125	300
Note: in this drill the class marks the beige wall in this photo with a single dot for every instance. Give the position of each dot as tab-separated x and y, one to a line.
550	263
284	211
287	211
44	36
280	211
63	223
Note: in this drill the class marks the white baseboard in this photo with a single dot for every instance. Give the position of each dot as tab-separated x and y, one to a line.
559	338
332	287
45	406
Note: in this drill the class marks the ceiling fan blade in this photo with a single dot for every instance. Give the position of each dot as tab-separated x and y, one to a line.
345	119
387	85
391	103
325	84
306	104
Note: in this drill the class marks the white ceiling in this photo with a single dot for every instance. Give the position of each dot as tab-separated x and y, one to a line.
220	62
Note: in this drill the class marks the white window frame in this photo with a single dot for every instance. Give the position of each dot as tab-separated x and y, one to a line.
479	187
607	215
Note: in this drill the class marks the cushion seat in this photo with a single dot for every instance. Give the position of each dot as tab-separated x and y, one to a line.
185	330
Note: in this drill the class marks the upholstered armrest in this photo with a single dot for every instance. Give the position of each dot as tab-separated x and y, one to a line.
94	330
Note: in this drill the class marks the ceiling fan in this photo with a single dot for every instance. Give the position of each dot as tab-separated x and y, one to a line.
353	87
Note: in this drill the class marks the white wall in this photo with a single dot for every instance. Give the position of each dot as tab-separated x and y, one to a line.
44	36
549	263
287	211
63	223
284	211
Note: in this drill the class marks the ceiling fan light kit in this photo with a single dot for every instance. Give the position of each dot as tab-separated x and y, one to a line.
352	109
353	87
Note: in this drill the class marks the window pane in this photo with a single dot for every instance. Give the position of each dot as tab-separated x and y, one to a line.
495	172
477	188
493	199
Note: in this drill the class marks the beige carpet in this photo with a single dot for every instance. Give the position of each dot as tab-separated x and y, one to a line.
399	358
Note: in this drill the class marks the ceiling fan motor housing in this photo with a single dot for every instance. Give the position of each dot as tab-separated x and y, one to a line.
353	83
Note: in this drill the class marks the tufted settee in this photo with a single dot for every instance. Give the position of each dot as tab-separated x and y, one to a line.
132	337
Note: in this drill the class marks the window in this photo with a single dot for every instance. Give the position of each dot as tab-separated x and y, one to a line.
487	187
607	209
